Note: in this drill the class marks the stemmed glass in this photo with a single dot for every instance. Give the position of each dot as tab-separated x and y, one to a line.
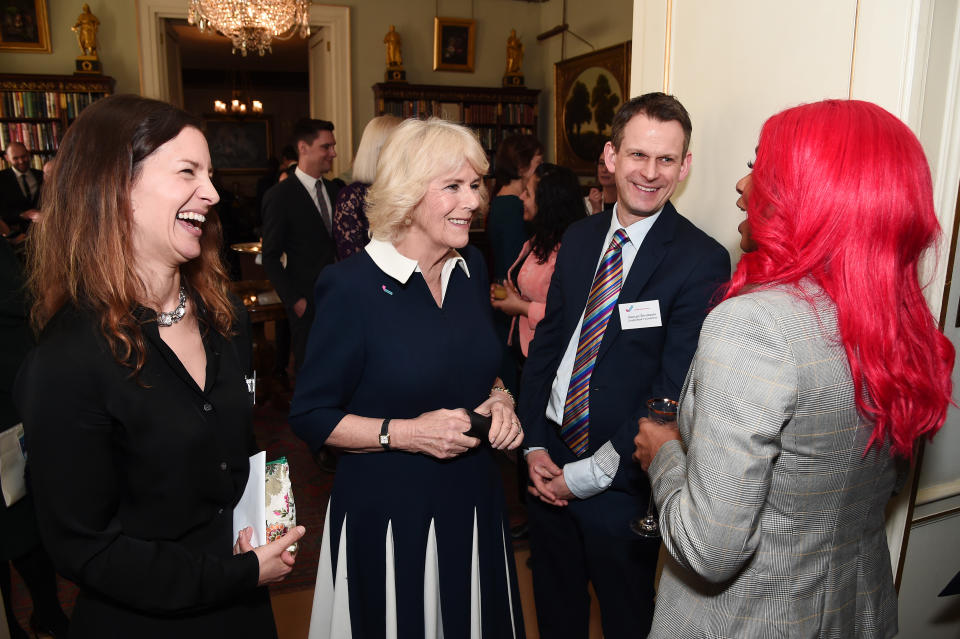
663	411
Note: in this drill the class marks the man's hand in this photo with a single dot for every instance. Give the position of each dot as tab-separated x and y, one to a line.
300	306
547	478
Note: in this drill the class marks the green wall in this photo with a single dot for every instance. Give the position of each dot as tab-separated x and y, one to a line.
602	23
116	39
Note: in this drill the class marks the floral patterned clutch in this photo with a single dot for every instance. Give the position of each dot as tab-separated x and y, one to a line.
280	510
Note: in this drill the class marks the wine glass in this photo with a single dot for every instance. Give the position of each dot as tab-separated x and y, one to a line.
663	411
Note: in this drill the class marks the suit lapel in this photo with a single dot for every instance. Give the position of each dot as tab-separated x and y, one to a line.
582	279
649	255
310	205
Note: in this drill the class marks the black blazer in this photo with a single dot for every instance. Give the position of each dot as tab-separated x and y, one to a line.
677	264
12	200
135	480
292	225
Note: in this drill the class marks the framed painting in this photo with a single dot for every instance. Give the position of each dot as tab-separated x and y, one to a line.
589	89
24	26
454	41
238	145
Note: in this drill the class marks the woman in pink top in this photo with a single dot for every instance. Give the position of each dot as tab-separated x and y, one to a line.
552	201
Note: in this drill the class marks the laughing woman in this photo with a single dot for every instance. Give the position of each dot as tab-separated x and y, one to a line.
134	404
403	342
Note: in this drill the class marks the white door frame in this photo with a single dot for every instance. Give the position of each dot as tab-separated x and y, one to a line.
153	63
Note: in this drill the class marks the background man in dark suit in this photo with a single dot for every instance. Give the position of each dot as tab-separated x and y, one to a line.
297	216
19	189
629	293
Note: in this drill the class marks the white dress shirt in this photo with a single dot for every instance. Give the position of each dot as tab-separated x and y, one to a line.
592	475
310	183
400	267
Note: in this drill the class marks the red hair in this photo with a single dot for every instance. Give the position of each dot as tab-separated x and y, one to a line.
842	195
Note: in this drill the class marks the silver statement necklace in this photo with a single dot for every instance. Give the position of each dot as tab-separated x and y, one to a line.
165	318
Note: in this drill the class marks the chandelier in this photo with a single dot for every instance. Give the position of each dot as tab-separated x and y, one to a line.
252	24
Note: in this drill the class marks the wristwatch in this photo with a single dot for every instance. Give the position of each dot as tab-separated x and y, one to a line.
385	434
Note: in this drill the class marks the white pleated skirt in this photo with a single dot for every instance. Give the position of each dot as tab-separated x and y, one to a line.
330	616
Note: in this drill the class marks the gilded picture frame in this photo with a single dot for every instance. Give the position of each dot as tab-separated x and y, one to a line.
588	91
24	26
454	44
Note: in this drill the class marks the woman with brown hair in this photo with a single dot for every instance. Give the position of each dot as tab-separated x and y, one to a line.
137	417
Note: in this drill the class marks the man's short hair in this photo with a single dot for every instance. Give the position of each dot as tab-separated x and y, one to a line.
306	130
656	106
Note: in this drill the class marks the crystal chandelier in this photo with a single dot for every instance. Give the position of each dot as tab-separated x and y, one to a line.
252	24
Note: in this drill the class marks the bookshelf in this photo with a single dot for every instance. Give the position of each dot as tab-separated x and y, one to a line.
37	109
493	112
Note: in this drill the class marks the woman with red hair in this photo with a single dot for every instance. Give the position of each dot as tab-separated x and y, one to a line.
812	381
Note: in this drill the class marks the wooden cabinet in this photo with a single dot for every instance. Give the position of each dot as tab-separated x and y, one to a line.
494	112
36	109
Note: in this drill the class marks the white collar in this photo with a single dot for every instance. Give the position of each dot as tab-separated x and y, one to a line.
306	179
400	267
636	231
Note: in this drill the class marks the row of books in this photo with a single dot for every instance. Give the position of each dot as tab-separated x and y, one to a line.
36	162
45	104
36	136
471	114
514	113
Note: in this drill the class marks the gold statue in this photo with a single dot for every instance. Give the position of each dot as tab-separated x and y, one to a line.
514	54
86	30
394	56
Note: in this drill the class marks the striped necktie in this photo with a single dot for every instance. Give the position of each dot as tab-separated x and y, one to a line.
600	303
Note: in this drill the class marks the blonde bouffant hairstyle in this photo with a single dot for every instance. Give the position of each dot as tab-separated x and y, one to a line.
81	252
375	134
416	153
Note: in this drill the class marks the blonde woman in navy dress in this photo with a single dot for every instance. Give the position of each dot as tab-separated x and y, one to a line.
403	345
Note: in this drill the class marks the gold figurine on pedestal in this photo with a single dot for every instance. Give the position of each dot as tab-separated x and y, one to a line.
394	72
86	30
514	74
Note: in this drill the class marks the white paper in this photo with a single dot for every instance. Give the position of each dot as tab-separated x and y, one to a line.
250	509
640	315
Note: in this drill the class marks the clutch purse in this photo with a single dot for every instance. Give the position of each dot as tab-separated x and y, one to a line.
479	426
280	509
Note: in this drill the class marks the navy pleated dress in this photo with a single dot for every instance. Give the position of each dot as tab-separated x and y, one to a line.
413	546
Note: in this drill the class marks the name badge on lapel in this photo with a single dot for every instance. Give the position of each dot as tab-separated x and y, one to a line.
639	315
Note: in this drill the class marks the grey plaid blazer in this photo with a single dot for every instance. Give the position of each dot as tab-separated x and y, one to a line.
773	516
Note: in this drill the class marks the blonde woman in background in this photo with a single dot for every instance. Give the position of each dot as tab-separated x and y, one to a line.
351	230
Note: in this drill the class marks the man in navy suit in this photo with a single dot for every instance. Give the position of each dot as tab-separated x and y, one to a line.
644	277
19	190
296	220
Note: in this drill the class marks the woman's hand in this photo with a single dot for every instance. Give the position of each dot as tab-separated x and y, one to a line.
439	433
505	431
595	197
512	304
650	437
276	561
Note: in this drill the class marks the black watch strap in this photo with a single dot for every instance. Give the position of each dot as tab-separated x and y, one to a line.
385	434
